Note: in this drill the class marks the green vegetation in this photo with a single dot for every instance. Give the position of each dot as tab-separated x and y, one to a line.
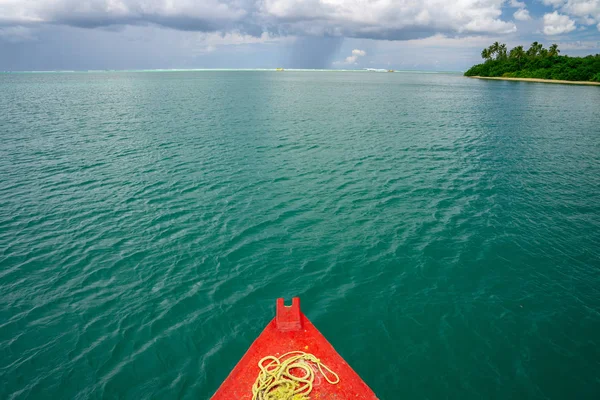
536	62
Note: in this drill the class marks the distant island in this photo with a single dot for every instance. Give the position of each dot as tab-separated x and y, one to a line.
536	64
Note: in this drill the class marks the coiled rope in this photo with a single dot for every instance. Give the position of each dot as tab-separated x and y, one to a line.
276	382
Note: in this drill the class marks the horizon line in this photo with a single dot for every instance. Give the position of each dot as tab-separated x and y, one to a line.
229	69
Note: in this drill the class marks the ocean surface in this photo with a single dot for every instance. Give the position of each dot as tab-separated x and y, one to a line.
442	232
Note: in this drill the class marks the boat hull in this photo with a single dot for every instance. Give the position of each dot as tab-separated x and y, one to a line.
289	331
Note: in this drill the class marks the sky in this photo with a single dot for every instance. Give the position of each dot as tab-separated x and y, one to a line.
436	35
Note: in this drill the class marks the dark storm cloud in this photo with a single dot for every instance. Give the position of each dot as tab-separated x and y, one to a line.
376	19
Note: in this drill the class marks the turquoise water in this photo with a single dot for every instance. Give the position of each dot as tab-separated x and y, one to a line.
443	233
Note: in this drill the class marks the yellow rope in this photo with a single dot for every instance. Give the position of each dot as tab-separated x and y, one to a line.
275	381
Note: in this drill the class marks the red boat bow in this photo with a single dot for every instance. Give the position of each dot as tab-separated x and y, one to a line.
291	331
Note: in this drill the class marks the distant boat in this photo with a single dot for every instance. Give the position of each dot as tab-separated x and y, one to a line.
279	70
291	359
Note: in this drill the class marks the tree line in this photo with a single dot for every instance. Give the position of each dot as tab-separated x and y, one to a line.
535	62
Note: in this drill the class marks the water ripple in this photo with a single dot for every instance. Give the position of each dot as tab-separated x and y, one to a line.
444	229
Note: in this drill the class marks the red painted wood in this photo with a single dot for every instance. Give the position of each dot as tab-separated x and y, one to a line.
290	330
288	318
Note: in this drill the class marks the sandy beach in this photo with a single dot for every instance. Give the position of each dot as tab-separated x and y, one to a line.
539	80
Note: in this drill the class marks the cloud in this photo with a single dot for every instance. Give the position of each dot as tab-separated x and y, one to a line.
376	19
351	60
582	8
579	45
205	15
556	24
441	41
208	42
522	15
384	19
553	3
235	38
585	11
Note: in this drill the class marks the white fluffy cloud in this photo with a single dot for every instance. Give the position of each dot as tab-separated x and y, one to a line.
584	11
382	19
582	8
356	53
556	24
522	15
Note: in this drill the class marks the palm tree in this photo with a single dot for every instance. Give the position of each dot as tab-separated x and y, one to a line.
485	54
518	54
534	49
502	51
495	48
553	50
